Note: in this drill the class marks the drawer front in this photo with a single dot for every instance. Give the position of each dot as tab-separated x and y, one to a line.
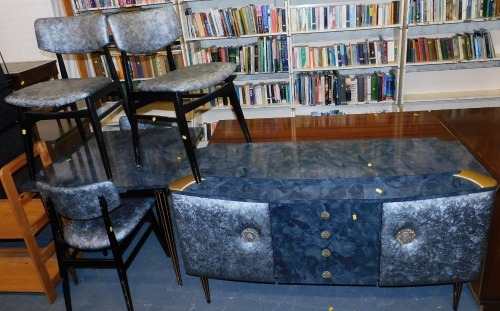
431	241
325	242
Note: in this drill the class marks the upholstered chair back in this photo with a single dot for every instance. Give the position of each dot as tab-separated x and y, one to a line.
143	32
80	203
73	34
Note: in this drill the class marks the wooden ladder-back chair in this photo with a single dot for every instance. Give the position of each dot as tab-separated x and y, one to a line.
22	216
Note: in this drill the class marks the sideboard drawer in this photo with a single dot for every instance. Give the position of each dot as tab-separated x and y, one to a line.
326	242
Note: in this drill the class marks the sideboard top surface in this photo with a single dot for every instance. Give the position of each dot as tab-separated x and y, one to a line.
336	159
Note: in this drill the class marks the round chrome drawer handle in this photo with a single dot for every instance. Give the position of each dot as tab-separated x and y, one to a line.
405	236
325	215
326	274
325	234
326	253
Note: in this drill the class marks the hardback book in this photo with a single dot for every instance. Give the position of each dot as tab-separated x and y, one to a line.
340	88
361	87
375	85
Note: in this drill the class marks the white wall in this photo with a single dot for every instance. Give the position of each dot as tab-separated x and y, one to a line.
17	36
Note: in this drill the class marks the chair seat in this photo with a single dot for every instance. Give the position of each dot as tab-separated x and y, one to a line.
192	78
57	93
91	234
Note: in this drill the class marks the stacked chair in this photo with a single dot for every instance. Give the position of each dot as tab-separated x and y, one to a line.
149	31
69	35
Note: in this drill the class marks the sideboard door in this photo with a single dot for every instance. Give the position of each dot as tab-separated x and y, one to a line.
437	240
224	239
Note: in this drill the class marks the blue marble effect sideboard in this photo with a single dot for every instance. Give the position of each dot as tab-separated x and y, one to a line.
382	212
390	212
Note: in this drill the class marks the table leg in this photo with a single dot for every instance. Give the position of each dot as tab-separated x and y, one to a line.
166	223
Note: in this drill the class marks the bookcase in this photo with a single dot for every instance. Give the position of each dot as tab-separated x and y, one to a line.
313	57
352	44
254	35
450	55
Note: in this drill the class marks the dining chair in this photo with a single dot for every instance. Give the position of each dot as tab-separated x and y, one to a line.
153	30
69	35
94	218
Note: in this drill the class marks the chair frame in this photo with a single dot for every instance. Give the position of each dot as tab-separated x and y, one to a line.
68	260
167	30
29	118
138	99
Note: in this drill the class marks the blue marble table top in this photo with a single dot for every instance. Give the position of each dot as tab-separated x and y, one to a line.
336	159
384	170
164	160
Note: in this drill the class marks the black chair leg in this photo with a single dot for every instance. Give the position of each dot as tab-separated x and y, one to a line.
134	127
186	137
79	123
457	291
235	103
96	125
27	133
65	286
206	288
122	274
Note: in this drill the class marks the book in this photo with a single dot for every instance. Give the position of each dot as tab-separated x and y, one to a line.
98	65
340	88
389	87
284	53
361	87
371	51
200	25
375	86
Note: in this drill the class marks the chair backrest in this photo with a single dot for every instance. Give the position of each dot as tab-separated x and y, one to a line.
143	32
80	203
73	34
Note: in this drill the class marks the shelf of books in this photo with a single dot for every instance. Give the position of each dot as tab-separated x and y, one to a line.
451	55
344	56
81	6
254	36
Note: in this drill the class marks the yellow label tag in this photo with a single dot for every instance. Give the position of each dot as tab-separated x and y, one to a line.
23	131
154	119
110	229
369	164
184	137
354	217
378	190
